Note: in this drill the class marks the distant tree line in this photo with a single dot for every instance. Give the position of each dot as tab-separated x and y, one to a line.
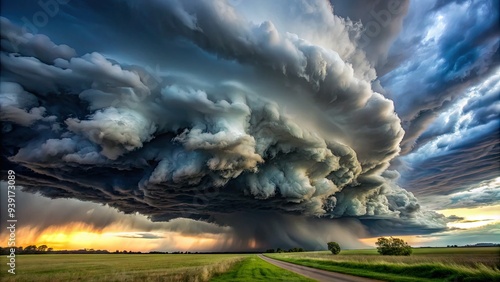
280	250
31	249
475	245
44	249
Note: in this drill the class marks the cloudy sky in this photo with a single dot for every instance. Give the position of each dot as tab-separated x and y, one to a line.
244	125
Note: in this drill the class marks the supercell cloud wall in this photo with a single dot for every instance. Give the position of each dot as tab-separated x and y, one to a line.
197	110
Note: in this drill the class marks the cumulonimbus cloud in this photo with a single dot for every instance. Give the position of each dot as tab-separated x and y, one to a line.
91	128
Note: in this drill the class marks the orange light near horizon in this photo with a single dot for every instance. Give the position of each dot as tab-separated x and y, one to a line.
474	217
80	236
252	244
189	243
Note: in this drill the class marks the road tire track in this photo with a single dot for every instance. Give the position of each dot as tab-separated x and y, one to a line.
317	274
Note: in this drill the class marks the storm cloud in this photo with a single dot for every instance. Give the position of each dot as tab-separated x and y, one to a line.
453	47
224	113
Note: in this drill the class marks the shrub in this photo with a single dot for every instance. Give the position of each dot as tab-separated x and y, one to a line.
334	247
393	247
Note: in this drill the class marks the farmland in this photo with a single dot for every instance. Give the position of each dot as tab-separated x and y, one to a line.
146	267
462	264
255	269
429	264
119	267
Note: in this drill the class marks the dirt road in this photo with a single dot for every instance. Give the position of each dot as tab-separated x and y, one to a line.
317	274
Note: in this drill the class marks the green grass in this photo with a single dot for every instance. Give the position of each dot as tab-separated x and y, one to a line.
426	264
431	264
488	256
118	267
255	269
461	251
431	251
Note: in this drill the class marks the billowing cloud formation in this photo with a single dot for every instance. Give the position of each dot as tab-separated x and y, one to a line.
462	147
453	47
41	215
255	119
485	193
442	73
382	21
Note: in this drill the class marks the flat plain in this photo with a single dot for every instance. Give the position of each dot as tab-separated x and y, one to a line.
255	269
425	264
119	267
431	264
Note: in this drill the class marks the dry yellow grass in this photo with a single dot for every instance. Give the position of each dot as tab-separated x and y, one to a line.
120	268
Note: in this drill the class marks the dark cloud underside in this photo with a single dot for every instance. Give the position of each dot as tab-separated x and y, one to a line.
230	113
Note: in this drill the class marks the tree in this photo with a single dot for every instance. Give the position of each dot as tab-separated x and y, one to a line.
393	247
42	248
334	247
30	249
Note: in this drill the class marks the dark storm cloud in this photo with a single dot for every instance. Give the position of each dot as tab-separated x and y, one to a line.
465	162
273	122
390	227
484	106
484	194
478	199
442	75
449	48
462	149
425	76
287	231
382	22
40	46
41	213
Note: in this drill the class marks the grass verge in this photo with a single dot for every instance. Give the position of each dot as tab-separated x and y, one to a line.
255	269
402	272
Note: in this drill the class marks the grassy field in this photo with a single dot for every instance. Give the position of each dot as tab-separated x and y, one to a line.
429	264
433	264
255	269
119	267
462	256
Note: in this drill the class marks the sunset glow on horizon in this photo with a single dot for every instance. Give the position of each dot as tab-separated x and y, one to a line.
77	236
